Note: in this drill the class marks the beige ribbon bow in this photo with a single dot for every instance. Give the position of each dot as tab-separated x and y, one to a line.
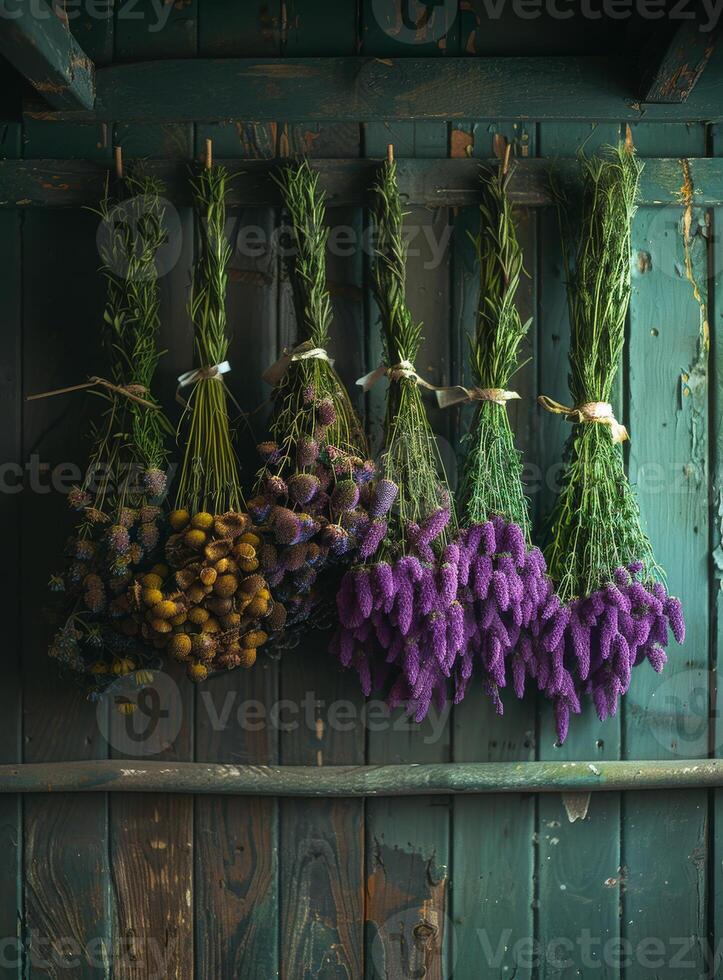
199	374
446	397
304	352
600	412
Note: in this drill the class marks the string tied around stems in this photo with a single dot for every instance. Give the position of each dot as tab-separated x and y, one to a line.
447	397
600	413
303	352
133	392
199	374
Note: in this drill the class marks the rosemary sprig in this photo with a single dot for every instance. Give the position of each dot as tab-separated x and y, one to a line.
492	480
209	478
411	457
131	437
596	525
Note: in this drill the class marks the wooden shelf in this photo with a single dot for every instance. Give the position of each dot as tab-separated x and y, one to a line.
358	89
428	182
142	776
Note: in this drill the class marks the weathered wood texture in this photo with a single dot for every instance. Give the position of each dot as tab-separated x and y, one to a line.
332	781
675	66
35	40
443	183
376	89
228	884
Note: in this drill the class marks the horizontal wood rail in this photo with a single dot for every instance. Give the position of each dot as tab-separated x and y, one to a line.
358	89
35	40
140	776
429	182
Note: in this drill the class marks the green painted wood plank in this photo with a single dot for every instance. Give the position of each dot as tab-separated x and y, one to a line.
36	41
443	183
152	841
237	839
716	568
166	31
374	89
492	841
11	452
89	141
394	779
665	843
408	853
578	863
322	842
65	839
673	72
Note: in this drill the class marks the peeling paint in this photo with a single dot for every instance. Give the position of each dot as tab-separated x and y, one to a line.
694	379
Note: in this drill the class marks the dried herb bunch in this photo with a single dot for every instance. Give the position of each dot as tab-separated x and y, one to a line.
399	616
503	583
125	481
410	457
209	479
209	607
492	480
315	468
599	555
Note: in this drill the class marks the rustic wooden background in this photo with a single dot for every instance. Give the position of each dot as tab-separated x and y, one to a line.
256	888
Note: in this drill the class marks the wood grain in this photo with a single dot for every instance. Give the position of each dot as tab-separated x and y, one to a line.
371	89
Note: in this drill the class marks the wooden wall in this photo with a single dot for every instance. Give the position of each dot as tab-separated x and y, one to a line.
171	886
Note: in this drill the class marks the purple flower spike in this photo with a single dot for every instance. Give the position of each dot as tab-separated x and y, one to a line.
482	570
448	583
382	584
514	542
363	592
373	537
488	541
433	526
385	493
501	590
674	612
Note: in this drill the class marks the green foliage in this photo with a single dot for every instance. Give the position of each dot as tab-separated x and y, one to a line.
595	525
411	457
492	479
209	478
309	383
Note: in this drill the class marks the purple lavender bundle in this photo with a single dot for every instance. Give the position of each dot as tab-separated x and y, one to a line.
507	598
313	483
401	624
619	612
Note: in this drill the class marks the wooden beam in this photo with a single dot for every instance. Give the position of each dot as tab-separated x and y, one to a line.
41	47
429	182
375	89
142	776
677	67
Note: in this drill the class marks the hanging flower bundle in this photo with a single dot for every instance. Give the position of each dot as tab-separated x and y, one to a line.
311	485
508	599
210	608
400	619
124	484
599	556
